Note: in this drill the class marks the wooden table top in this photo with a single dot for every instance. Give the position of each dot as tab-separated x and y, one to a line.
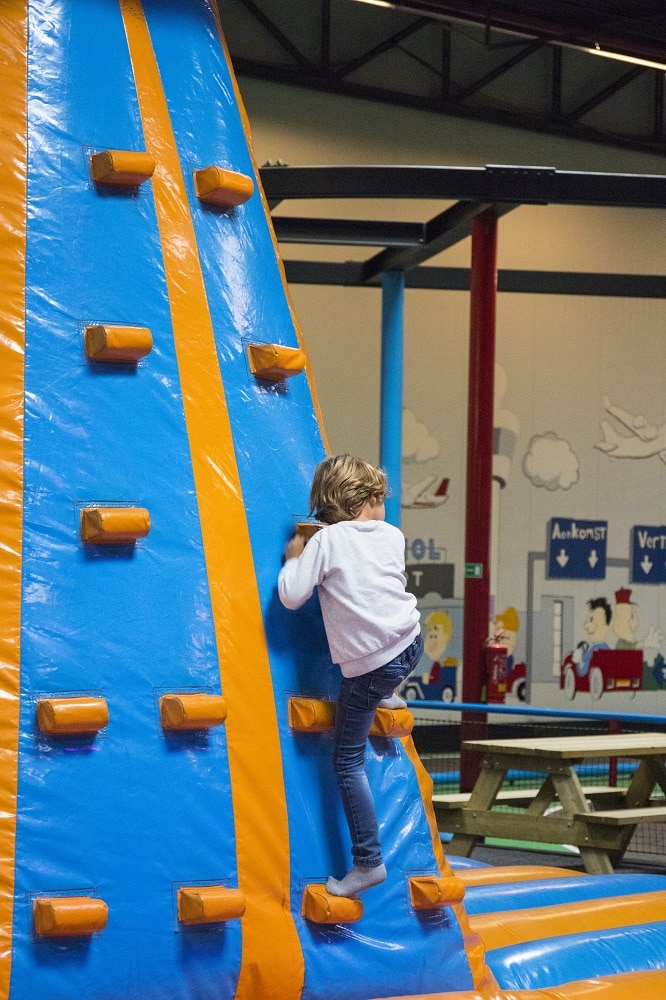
576	747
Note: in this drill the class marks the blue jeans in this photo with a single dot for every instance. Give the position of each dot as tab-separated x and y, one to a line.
357	704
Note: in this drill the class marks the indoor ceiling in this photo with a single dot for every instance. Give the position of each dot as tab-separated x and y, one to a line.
523	63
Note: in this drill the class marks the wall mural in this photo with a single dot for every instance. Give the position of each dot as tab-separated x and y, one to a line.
570	620
420	446
550	462
611	658
644	441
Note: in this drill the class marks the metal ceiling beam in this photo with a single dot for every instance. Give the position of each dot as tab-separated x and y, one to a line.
491	184
388	43
350	274
521	118
448	19
280	37
442	232
349	232
607	92
518	19
498	71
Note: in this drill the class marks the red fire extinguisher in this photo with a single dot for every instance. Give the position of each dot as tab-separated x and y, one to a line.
496	657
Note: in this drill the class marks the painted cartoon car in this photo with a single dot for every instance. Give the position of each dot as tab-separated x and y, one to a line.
611	670
516	680
437	684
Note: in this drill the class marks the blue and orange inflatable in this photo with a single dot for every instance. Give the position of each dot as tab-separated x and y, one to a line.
165	830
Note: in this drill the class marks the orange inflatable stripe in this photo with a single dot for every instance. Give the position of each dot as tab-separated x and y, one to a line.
269	937
13	168
627	986
500	929
512	873
267	211
482	977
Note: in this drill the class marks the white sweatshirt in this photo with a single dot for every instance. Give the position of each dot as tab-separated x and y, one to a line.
359	570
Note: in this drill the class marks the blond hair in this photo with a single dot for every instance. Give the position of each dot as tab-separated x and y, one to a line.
341	487
442	619
509	619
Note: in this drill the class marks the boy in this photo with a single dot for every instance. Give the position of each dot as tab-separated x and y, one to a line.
357	563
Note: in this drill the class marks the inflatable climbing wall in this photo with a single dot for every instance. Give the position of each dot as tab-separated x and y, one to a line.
168	814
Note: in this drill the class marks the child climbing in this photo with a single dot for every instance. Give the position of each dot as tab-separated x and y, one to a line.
357	563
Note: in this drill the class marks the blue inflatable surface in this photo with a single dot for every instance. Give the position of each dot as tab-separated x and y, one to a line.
548	892
554	961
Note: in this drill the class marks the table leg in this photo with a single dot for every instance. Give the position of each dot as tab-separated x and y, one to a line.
570	794
641	785
546	794
483	796
656	774
649	773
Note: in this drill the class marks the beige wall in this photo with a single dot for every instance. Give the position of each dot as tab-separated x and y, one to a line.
562	356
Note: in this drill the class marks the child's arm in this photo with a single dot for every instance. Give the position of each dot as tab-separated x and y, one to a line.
301	573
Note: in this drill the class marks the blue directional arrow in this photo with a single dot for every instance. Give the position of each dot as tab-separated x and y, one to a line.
648	554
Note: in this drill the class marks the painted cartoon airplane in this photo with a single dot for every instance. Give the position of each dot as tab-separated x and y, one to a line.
644	441
423	495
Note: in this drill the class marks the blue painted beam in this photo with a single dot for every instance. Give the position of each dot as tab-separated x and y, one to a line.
390	429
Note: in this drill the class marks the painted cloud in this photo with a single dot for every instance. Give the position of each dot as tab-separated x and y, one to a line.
550	462
418	444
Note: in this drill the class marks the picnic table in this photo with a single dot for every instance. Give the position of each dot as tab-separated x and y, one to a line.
561	810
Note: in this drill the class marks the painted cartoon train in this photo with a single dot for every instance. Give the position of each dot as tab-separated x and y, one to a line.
167	812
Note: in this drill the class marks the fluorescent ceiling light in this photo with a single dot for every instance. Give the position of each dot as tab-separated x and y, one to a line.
598	51
377	3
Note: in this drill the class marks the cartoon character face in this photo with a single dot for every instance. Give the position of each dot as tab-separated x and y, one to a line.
438	634
625	621
596	626
436	641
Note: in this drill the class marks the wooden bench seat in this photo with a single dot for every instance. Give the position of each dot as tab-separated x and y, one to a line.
522	796
625	817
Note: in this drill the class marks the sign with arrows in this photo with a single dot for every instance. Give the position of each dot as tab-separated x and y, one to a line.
576	549
648	554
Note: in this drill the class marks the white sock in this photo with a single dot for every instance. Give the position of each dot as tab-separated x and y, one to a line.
357	880
395	701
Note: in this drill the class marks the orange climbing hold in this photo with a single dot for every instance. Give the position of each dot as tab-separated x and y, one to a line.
226	188
192	711
431	892
69	916
67	716
121	167
392	722
308	528
322	908
311	715
274	362
114	525
118	343
209	904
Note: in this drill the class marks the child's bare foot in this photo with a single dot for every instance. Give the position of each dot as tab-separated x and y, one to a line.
357	880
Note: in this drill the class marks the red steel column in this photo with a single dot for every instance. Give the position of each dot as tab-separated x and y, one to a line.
483	288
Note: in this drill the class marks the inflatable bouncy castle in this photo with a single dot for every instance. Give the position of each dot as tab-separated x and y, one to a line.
168	814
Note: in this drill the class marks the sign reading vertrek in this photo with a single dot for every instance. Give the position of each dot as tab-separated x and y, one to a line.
576	549
648	553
